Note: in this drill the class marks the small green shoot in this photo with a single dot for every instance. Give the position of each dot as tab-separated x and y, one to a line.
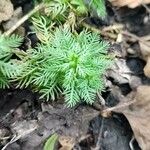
50	143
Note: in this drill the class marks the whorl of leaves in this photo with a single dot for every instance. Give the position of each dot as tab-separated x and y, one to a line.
73	64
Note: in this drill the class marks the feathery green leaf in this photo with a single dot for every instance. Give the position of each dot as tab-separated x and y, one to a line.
73	64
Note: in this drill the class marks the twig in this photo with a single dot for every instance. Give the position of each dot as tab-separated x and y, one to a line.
131	143
113	27
23	19
98	143
147	8
97	106
5	138
83	137
135	37
17	137
14	139
101	99
145	38
104	33
107	110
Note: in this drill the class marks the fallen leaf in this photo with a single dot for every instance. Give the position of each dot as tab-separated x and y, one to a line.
147	68
138	115
129	3
6	10
145	51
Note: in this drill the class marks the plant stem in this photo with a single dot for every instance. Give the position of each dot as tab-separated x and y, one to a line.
23	19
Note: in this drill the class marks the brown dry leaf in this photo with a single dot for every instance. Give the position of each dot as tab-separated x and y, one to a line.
129	3
6	10
66	142
147	68
145	51
138	115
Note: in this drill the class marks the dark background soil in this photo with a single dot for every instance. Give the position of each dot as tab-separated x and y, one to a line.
20	107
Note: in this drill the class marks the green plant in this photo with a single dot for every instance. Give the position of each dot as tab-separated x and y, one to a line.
99	6
72	64
42	26
58	11
50	143
60	7
67	13
8	67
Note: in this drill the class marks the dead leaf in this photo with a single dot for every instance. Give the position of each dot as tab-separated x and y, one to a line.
147	68
129	3
6	10
145	51
138	115
66	142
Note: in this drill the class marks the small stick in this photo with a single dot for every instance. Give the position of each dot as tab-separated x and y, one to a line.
131	143
118	106
146	7
98	143
113	27
145	38
101	99
23	19
135	37
14	138
103	33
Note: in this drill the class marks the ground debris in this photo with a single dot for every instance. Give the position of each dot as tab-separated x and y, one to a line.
145	51
17	14
137	112
129	3
6	10
67	143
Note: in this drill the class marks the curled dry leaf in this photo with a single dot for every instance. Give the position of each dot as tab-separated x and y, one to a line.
129	3
147	68
145	51
138	115
66	142
6	10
